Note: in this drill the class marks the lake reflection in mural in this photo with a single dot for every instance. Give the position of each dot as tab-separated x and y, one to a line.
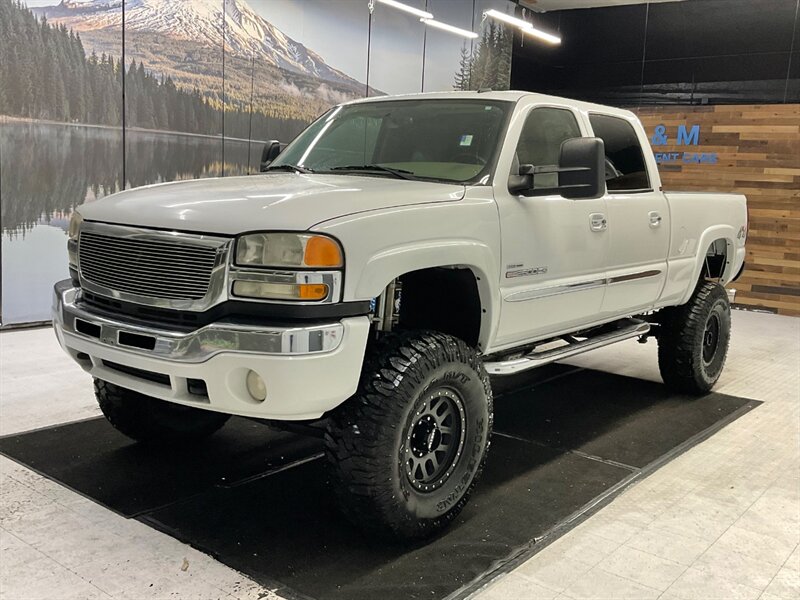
66	165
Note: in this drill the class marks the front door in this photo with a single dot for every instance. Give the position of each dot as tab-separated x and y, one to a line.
553	249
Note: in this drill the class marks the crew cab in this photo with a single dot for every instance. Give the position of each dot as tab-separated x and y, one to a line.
394	255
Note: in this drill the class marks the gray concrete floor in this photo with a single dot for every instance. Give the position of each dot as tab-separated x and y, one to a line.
720	521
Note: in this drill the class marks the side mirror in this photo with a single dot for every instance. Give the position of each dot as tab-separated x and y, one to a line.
522	181
269	153
581	168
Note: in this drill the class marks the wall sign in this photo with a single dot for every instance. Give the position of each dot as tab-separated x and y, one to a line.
684	136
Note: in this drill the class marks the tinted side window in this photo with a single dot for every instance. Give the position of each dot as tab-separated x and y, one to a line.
625	168
540	142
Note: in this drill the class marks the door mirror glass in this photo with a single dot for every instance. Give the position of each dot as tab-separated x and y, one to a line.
581	168
270	153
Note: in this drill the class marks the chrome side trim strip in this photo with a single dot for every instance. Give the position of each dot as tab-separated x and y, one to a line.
194	346
633	276
555	290
579	286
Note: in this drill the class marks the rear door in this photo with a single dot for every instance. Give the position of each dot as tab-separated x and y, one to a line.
638	219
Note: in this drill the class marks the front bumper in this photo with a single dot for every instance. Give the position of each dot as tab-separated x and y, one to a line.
307	370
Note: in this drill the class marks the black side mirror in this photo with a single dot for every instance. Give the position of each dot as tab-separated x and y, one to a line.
522	180
270	153
581	168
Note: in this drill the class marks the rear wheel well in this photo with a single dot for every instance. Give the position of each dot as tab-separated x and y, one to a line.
716	261
444	299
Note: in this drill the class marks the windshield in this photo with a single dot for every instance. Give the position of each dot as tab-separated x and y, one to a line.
444	140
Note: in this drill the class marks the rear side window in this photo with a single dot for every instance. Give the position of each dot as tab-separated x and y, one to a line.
625	167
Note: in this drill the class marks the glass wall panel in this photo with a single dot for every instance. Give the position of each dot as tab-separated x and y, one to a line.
448	55
396	50
60	138
491	52
312	54
173	90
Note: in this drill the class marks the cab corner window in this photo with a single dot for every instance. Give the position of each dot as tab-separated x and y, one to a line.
625	166
544	131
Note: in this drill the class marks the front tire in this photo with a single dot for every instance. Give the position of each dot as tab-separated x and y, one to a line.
693	341
406	451
149	420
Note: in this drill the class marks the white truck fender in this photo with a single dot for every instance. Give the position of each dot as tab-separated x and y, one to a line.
462	234
390	263
733	262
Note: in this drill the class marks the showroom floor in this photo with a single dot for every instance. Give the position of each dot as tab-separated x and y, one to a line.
720	521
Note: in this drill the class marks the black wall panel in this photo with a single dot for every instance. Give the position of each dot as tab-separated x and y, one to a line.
695	51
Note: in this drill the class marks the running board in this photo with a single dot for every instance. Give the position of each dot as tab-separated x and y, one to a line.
632	328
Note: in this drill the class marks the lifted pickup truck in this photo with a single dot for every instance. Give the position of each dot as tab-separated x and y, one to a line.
398	252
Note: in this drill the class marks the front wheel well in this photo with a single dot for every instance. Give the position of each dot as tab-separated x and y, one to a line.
444	299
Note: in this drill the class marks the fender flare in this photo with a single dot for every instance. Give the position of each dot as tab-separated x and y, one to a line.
476	256
717	232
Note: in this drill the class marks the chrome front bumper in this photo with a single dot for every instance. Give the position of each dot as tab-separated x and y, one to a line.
307	370
194	346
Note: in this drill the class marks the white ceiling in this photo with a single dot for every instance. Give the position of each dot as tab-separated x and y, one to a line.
547	5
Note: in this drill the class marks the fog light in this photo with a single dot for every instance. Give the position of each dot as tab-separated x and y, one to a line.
256	386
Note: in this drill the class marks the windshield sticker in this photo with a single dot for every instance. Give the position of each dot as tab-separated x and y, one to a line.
466	140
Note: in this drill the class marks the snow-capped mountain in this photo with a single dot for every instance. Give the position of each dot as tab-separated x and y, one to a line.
245	32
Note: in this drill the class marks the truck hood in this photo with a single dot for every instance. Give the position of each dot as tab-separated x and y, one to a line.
273	201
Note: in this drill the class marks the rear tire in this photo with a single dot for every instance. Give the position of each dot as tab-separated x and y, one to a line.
406	451
150	420
693	341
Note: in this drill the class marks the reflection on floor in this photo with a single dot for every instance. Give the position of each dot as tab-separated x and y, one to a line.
666	520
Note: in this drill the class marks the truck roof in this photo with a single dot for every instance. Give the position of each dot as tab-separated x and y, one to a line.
507	95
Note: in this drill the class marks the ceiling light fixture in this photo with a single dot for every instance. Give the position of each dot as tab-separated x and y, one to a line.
450	28
524	26
422	14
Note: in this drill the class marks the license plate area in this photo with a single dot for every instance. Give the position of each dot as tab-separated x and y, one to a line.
136	340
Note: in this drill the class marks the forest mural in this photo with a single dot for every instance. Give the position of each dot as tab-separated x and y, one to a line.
205	83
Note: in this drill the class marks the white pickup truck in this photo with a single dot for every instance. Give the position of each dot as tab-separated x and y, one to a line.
393	256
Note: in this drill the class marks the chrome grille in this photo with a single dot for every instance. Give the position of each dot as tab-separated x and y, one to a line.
154	268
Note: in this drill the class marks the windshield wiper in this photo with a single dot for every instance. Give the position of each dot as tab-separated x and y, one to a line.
399	173
294	168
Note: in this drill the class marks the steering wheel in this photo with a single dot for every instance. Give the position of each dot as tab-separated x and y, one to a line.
471	158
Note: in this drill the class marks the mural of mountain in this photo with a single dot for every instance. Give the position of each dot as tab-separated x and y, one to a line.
246	34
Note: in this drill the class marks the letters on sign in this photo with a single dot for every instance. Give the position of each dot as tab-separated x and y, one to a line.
685	136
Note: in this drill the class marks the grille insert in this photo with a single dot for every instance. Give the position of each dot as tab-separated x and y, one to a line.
146	267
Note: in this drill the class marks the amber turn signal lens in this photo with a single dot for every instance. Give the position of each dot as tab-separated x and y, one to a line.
312	291
280	291
322	252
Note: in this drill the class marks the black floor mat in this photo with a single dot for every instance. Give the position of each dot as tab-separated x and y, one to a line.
565	436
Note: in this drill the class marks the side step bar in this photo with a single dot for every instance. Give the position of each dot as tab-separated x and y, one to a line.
630	328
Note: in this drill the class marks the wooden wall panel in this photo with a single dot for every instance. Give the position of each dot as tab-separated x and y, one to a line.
758	152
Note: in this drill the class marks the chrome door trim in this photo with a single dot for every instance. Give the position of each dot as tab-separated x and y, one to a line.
579	286
634	276
555	290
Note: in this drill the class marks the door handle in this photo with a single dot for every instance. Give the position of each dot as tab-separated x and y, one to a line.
598	222
655	219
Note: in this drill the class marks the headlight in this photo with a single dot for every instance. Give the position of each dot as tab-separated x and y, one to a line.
74	225
288	250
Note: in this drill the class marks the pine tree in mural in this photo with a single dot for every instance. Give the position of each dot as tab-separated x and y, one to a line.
488	65
45	74
462	77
